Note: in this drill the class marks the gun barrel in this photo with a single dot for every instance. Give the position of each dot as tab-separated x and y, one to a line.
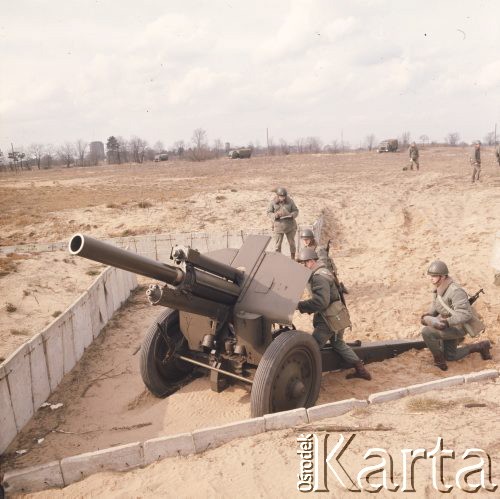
91	248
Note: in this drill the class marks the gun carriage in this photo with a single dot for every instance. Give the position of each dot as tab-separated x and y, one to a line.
230	312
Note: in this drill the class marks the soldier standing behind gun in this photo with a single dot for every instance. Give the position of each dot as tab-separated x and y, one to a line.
443	329
325	304
476	162
413	152
283	211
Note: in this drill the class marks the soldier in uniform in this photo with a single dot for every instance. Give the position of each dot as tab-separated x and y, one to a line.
443	330
324	293
476	162
283	211
308	240
413	152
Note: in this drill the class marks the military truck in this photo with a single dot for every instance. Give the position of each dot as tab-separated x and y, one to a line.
243	153
161	157
390	145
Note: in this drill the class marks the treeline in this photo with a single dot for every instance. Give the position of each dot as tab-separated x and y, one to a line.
117	150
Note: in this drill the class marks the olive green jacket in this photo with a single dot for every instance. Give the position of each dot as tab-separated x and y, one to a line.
323	291
477	155
287	213
413	151
457	299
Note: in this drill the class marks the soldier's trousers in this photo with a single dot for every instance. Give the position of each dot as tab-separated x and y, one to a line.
476	172
414	162
278	240
322	333
445	342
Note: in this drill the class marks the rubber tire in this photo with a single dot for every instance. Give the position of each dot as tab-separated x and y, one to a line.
270	366
163	379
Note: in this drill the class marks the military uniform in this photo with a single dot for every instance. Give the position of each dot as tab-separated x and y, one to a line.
476	164
323	293
325	258
413	152
283	215
445	341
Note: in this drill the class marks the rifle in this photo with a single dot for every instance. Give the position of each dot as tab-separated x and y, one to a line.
473	298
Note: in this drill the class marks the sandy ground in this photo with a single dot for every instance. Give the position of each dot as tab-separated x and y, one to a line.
386	224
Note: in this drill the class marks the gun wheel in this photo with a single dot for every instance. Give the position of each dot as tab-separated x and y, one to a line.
288	375
161	372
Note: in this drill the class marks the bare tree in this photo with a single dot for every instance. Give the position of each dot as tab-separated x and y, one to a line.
405	139
313	145
137	149
159	147
370	141
424	139
81	147
299	144
489	139
36	151
200	145
66	154
453	138
285	148
48	157
179	147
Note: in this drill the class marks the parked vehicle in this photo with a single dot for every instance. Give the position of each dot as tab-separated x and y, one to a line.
390	145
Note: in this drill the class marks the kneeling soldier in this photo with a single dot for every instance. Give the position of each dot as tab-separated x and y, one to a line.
444	322
327	307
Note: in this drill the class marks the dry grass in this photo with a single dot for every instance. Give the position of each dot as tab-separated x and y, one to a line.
93	272
20	332
57	313
144	204
428	404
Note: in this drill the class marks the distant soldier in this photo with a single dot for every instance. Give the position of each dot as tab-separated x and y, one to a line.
413	152
283	211
308	240
476	162
497	154
331	317
444	321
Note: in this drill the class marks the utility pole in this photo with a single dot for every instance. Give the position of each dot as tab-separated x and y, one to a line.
267	140
495	134
342	139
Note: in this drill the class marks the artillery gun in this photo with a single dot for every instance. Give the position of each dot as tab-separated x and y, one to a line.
230	311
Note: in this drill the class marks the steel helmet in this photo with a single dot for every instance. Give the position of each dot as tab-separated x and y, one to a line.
437	268
281	191
307	254
306	233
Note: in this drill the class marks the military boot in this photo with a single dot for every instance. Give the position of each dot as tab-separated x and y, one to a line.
360	371
440	361
483	347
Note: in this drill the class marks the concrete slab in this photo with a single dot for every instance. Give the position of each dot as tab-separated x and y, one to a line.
162	447
52	337
481	375
17	368
103	305
82	325
120	458
380	397
286	419
209	438
33	479
7	419
110	285
67	334
333	409
40	386
437	384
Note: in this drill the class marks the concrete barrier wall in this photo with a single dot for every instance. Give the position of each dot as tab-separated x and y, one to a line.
34	370
30	374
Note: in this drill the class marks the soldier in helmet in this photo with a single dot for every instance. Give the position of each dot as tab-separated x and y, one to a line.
283	211
308	240
444	324
325	304
476	162
413	152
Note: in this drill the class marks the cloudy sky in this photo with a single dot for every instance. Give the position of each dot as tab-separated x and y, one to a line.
159	69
